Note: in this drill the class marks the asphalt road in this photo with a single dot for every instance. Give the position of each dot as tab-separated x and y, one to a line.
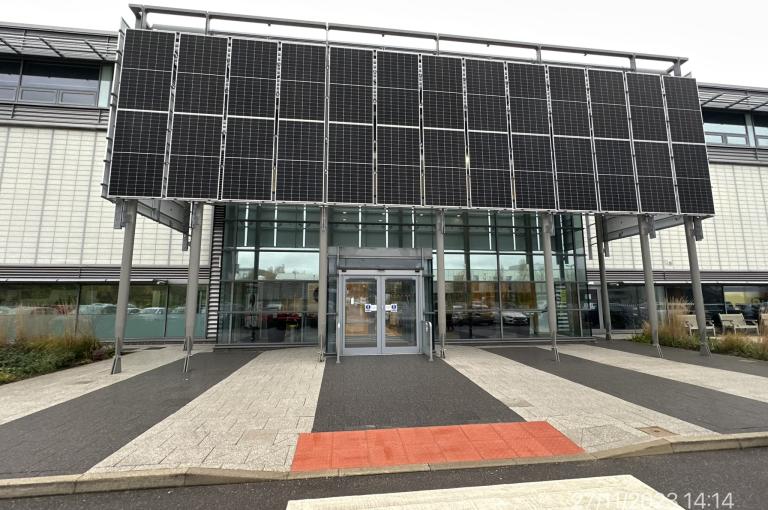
734	478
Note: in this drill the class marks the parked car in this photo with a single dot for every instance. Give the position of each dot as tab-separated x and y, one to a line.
514	318
153	310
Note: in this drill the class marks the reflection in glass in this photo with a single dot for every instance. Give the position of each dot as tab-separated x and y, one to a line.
360	314
400	312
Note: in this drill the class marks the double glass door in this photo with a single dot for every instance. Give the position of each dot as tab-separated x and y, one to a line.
379	313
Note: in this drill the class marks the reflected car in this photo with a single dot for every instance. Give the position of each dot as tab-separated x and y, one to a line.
513	318
7	310
153	310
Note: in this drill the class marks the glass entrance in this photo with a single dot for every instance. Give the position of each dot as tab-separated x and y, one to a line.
380	314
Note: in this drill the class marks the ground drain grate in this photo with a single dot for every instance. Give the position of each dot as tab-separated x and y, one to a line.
656	431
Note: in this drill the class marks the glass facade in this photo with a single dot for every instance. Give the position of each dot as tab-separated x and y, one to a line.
154	311
495	285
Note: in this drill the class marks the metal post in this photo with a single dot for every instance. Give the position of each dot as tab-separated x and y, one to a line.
650	292
606	306
190	307
547	230
322	287
123	291
441	309
698	295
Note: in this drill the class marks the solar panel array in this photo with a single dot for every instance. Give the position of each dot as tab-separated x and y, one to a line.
233	119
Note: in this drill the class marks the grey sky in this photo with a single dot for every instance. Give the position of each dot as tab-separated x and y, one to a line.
723	44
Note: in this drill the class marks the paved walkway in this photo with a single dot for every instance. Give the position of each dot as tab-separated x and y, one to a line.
623	492
31	395
250	420
726	381
592	419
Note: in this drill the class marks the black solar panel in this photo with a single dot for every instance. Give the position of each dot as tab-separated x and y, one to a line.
148	49
485	77
199	93
398	146
442	73
567	84
247	179
201	54
444	148
350	143
398	184
644	90
576	191
532	154
573	155
140	132
351	66
253	59
397	70
606	87
299	181
534	190
350	183
657	194
487	113
249	138
681	93
445	186
443	110
136	175
614	157
570	118
303	62
350	103
610	121
300	141
491	188
527	80
145	90
528	115
617	193
488	150
397	106
251	97
193	177
196	135
652	159
695	196
302	100
686	126
648	123
690	161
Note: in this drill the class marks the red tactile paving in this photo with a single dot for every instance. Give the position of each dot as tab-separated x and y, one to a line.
419	445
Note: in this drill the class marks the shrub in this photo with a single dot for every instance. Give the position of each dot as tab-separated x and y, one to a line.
740	345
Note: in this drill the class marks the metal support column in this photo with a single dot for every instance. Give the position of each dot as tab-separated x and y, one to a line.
128	221
606	306
693	234
322	286
440	252
547	230
644	224
190	306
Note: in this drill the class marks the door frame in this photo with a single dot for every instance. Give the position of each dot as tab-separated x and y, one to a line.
380	275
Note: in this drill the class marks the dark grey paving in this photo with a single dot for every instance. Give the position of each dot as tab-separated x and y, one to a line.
694	480
73	436
722	361
401	391
714	410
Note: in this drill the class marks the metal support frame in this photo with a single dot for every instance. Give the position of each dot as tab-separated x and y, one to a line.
645	226
440	256
322	287
605	304
190	306
693	234
128	222
547	230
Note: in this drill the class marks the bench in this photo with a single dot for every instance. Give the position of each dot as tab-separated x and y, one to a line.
764	323
736	322
692	324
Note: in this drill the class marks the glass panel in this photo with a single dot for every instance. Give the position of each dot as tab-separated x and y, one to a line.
400	312
518	295
483	295
762	142
713	139
98	308
455	268
736	140
149	320
288	265
723	122
176	317
9	73
360	314
483	267
58	76
245	265
36	309
38	96
514	267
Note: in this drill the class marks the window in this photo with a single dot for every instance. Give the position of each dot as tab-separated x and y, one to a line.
60	84
9	79
761	130
725	128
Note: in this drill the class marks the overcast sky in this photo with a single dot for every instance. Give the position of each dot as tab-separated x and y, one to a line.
723	40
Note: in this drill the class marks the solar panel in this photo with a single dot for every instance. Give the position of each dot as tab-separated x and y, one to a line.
253	59
350	183
695	196
573	155
485	77
397	106
690	161
444	148
645	90
249	138
652	159
567	84
445	186
488	150
527	80
528	115
199	93
136	175
606	87
398	184
570	118
202	54
614	157
302	100
198	135
487	113
648	123
247	179
575	173
532	154
610	121
397	70
534	190
350	143
693	185
300	140
681	93
303	62
349	103
491	188
299	181
617	193
442	73
140	132
195	152
657	194
398	146
148	49
443	110
251	97
686	126
351	66
145	90
576	191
